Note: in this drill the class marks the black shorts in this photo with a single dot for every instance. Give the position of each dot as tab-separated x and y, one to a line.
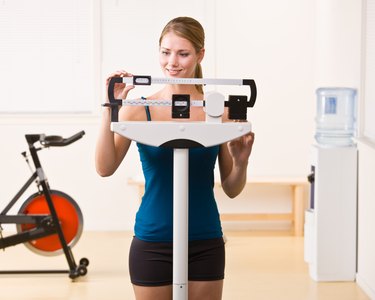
151	264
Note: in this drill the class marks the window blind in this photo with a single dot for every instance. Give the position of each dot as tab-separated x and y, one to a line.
46	56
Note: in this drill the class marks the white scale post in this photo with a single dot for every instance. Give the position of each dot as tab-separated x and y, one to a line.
181	136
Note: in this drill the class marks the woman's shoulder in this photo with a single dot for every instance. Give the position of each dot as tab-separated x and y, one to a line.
156	96
132	113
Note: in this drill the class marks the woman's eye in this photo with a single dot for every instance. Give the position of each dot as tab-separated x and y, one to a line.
184	54
164	52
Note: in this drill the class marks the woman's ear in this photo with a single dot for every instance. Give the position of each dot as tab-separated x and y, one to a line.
201	55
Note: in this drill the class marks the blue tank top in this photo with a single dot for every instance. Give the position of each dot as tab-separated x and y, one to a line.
154	219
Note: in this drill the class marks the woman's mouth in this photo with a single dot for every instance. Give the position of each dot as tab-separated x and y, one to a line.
173	71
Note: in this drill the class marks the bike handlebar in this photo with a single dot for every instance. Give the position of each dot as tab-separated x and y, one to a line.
53	140
58	141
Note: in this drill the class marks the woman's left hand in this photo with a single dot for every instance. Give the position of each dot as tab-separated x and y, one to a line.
240	148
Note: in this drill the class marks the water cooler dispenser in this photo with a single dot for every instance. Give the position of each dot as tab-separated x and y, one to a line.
331	217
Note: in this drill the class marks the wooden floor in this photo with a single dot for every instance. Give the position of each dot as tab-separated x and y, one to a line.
259	266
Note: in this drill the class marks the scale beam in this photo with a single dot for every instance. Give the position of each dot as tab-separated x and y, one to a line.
148	80
137	102
233	103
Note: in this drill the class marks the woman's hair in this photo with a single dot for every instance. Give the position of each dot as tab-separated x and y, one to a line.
190	29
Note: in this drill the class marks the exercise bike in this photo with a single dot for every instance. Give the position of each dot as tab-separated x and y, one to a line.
49	222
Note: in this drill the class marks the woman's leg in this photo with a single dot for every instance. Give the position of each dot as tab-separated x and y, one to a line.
150	264
207	290
153	293
197	290
206	269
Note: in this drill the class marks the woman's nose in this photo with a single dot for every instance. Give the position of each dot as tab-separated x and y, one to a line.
173	59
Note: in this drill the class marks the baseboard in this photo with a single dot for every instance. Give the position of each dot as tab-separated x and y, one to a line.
362	283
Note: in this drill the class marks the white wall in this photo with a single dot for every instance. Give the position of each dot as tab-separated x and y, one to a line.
366	222
366	159
244	39
338	63
272	41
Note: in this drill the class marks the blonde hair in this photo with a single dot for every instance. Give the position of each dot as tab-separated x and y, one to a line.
190	29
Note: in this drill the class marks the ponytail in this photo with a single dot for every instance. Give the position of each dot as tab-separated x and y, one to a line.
199	74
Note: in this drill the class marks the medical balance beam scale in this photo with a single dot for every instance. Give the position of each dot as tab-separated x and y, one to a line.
181	136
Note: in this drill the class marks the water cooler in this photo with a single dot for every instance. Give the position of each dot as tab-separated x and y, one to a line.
331	217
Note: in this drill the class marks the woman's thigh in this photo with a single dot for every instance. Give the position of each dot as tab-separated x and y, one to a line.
150	264
197	290
153	293
207	290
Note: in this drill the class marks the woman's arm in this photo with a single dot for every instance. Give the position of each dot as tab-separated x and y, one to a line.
233	161
111	148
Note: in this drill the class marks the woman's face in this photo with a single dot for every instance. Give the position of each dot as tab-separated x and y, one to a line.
177	56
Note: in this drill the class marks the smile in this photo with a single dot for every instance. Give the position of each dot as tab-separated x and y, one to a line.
173	71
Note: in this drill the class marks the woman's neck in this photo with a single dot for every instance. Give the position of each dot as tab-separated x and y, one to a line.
170	90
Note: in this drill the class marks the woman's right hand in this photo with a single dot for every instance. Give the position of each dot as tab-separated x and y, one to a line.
120	90
111	148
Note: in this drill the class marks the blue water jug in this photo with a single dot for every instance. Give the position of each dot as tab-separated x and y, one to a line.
336	116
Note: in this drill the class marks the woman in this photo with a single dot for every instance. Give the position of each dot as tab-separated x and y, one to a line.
181	50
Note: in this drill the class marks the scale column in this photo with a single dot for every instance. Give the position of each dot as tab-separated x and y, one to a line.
180	223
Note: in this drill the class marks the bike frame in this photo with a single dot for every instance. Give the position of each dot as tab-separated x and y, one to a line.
45	224
39	220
